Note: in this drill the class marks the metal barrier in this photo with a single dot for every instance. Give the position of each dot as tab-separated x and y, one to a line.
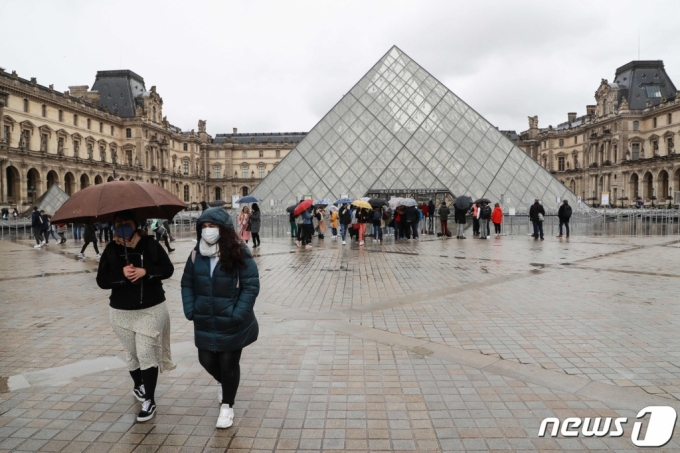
585	222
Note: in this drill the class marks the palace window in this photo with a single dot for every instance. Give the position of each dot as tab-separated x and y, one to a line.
185	166
261	153
26	105
217	171
128	155
101	127
576	140
217	153
112	130
61	115
616	153
44	110
89	123
654	122
244	172
636	125
244	154
7	135
653	91
128	133
669	143
185	147
43	142
670	118
75	120
261	172
561	142
655	146
186	193
278	153
560	163
636	151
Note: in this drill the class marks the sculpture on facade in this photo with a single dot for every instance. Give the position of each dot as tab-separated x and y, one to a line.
533	122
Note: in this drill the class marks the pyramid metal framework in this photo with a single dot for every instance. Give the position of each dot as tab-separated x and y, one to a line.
49	201
400	129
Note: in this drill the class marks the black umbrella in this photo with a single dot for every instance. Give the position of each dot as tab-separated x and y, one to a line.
377	202
217	203
291	209
483	200
463	203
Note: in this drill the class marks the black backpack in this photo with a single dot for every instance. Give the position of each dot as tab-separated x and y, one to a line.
567	211
485	213
377	216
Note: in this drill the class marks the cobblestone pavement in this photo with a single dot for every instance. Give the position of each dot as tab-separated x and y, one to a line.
434	345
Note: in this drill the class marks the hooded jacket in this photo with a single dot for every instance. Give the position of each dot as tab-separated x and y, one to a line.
444	212
497	215
222	305
431	208
255	221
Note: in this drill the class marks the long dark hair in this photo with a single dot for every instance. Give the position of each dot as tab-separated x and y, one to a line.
231	250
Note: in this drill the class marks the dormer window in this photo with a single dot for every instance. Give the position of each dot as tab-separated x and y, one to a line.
653	91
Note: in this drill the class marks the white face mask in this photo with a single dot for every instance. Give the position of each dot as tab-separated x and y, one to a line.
210	235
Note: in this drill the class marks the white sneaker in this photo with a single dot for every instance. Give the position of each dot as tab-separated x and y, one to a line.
226	417
308	246
81	255
361	243
43	243
219	395
344	243
298	243
37	246
99	255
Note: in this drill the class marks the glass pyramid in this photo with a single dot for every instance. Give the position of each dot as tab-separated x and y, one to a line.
49	201
400	129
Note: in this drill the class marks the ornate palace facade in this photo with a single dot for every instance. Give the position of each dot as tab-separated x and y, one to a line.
624	146
117	131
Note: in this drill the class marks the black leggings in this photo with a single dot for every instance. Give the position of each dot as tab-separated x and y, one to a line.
94	243
225	368
256	239
497	228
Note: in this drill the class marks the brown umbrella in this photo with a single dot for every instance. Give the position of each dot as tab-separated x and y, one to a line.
99	203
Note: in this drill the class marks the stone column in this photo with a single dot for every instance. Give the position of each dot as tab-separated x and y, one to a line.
3	102
3	178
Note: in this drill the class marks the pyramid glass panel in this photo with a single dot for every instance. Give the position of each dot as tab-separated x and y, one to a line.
399	128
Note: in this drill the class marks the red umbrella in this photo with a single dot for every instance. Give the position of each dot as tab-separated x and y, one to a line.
303	206
99	203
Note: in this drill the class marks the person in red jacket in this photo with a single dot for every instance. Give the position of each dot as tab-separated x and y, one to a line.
497	218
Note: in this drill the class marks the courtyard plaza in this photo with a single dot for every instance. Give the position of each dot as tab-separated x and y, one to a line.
430	345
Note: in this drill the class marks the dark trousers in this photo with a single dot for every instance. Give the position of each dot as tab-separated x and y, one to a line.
377	232
566	224
94	243
430	221
497	228
225	368
105	231
414	229
256	239
165	238
63	238
37	234
293	229
445	226
307	232
475	226
484	228
538	229
397	230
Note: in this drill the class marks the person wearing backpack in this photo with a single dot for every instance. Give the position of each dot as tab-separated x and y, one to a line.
133	267
220	286
444	213
345	216
497	218
484	215
564	214
377	224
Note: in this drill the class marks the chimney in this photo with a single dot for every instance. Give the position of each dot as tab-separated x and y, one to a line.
590	110
78	91
236	130
571	116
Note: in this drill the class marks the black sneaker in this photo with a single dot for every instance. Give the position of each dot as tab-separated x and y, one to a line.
139	393
147	412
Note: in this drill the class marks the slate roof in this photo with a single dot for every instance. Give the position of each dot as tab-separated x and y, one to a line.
644	80
118	90
261	137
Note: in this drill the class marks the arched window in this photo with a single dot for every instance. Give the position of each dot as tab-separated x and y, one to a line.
244	191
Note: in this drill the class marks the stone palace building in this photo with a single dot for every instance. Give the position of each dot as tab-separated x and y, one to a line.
623	148
118	131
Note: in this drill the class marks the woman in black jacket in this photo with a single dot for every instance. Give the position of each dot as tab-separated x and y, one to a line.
132	267
345	215
89	236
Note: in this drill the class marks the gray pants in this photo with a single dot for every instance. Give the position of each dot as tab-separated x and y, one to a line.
460	229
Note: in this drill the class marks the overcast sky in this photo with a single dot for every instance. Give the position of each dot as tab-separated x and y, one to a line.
281	65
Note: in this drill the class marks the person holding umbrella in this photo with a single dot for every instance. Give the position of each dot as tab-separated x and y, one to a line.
133	267
220	285
460	209
334	220
255	221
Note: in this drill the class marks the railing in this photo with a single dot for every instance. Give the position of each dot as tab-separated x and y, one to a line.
587	222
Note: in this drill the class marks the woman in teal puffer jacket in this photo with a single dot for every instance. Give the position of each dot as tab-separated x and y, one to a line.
219	288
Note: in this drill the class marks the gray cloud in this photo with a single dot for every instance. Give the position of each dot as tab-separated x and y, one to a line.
275	66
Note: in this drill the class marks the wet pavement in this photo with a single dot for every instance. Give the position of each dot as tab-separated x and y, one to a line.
431	345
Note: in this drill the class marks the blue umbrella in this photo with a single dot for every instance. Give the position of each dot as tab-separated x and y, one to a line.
322	202
343	201
248	199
